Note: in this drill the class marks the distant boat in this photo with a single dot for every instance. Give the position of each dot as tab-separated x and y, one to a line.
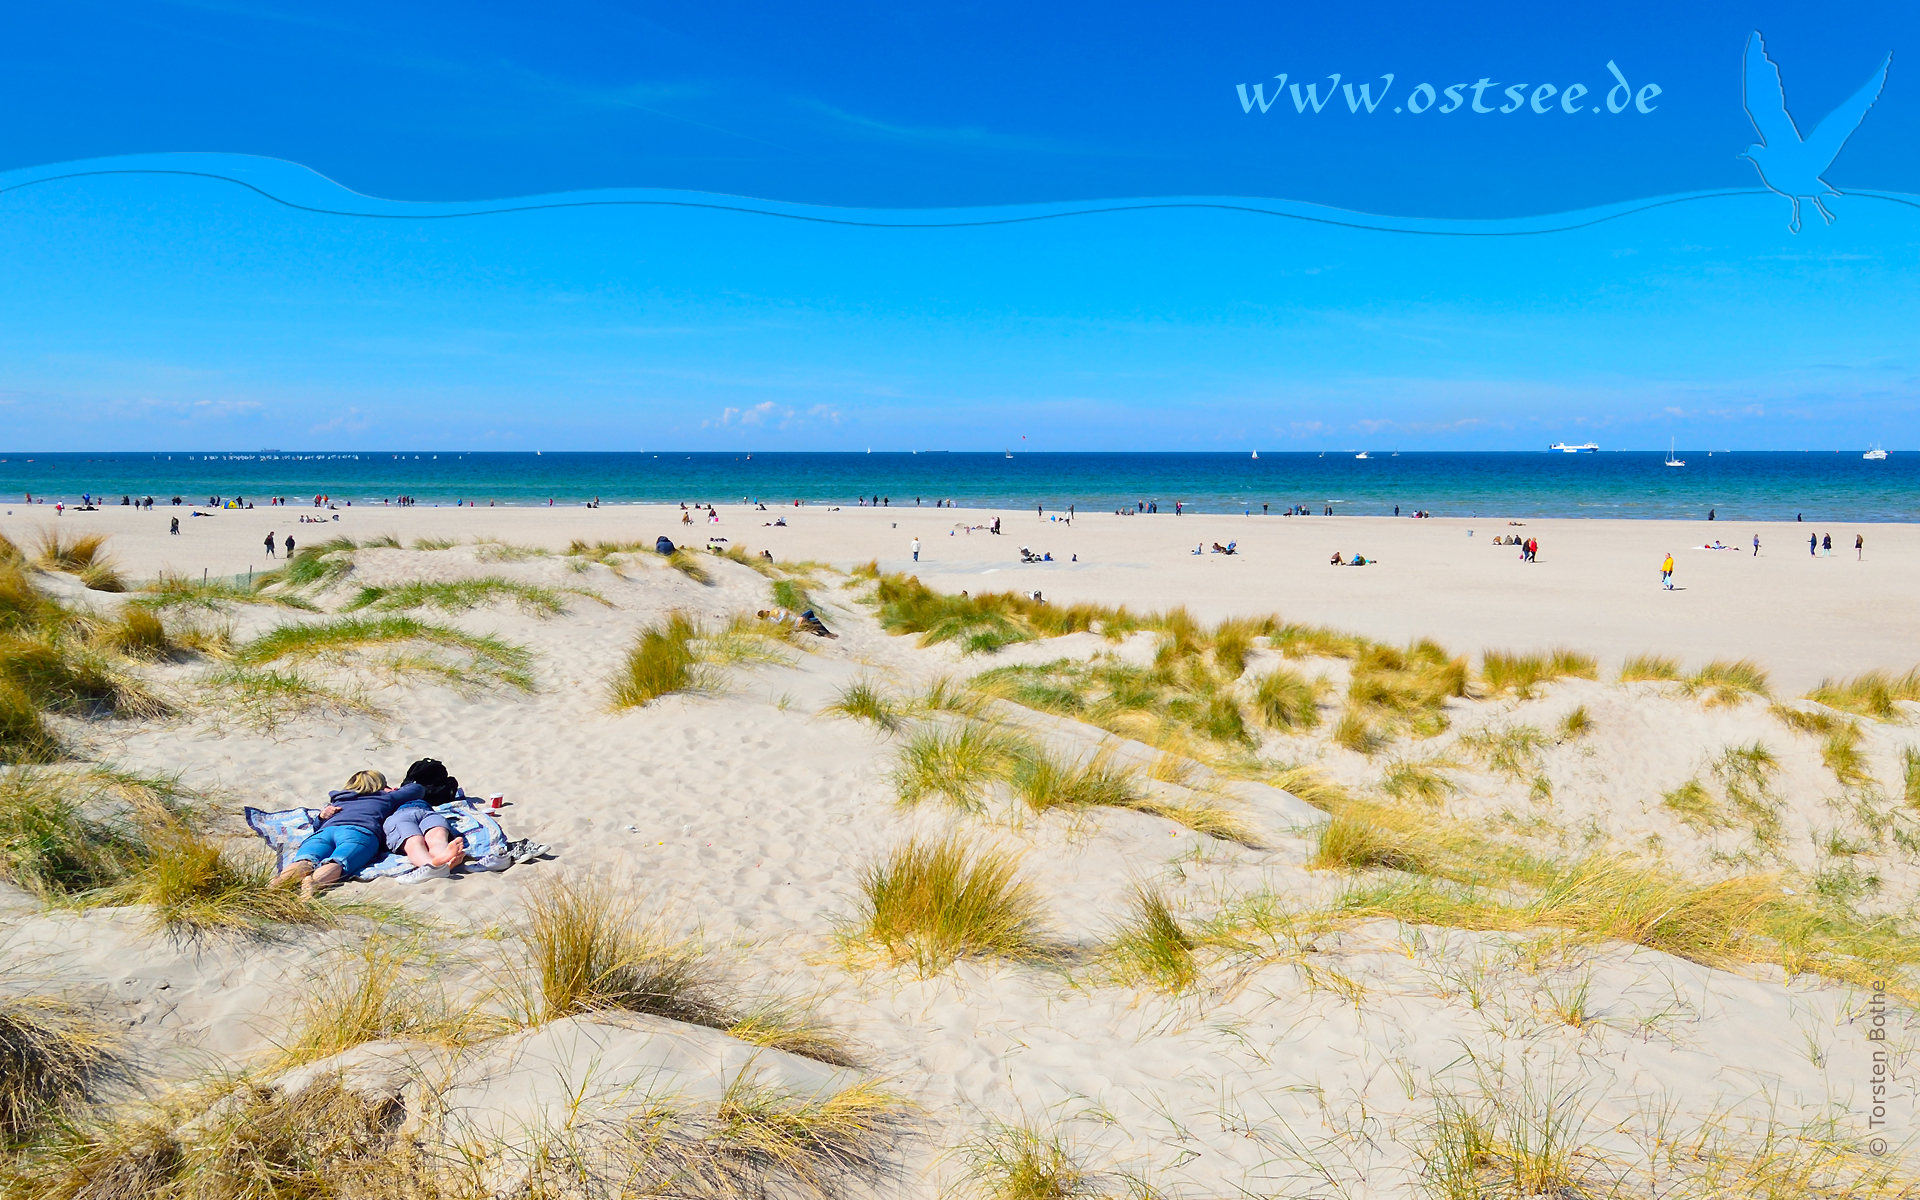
1582	448
1363	454
1671	460
1876	454
1256	454
1009	453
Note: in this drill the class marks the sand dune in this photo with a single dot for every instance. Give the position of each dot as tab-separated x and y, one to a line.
1310	1052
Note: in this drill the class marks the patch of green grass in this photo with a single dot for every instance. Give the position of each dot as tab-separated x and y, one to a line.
1576	724
1910	776
865	700
137	633
790	594
1393	688
193	885
1875	694
956	763
1357	734
1019	1162
932	902
986	622
267	698
1695	807
1152	948
83	555
1656	667
1521	674
178	591
1043	782
661	662
1746	776
1351	843
315	566
1724	682
1422	781
1512	750
460	595
1840	751
1285	700
60	837
479	660
439	543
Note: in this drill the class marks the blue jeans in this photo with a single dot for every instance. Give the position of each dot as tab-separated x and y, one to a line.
349	845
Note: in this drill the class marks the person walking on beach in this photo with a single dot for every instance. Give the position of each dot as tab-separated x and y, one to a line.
1813	545
176	527
289	547
916	549
1756	545
1859	547
1666	572
269	543
1826	545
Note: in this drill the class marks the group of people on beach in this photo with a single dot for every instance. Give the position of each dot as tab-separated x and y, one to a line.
367	819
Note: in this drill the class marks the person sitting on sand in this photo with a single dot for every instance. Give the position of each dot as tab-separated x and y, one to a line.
1336	560
349	836
1359	560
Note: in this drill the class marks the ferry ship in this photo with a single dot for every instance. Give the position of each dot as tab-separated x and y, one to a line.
1582	448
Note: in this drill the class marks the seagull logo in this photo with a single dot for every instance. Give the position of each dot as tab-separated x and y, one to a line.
1788	163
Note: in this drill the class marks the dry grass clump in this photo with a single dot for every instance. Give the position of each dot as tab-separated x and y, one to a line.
1656	667
679	654
64	835
932	902
314	566
137	633
590	951
1576	724
460	595
1876	694
1695	807
1019	1162
1724	682
54	1055
1394	689
1512	750
791	595
865	700
1910	776
1043	782
1503	671
785	1024
84	555
1152	948
1421	781
464	661
984	623
379	989
822	1146
1508	1145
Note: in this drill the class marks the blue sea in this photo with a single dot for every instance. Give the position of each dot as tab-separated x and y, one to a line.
1777	486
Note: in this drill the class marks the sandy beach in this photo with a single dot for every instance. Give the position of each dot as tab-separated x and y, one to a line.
1311	1035
1595	584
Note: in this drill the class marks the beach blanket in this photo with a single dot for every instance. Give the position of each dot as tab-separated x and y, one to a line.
487	848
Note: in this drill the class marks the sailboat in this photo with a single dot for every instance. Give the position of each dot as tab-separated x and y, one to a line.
1671	460
1009	452
1876	454
1363	454
1256	454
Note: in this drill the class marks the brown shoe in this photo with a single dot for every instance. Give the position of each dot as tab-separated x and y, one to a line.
296	871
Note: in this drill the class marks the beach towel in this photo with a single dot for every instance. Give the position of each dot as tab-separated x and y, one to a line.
487	846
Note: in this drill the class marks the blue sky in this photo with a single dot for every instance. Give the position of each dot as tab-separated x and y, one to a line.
148	312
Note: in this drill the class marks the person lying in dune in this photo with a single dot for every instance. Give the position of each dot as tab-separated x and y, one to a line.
350	835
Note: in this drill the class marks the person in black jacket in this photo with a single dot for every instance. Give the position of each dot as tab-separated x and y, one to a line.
350	836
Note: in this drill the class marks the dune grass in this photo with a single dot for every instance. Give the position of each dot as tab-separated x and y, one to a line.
1420	781
661	662
193	885
83	555
1151	948
317	566
268	698
1512	750
1043	782
1695	807
1517	1142
988	621
792	595
171	590
1576	724
1350	842
1286	701
1021	1162
434	543
55	1055
464	661
823	1146
1522	674
956	763
1654	667
1875	694
1728	682
1910	776
61	835
591	949
933	902
382	988
461	595
783	1023
1394	690
865	700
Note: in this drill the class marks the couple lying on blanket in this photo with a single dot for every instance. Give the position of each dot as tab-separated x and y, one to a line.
367	818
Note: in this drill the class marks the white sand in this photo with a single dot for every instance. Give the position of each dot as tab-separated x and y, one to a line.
749	816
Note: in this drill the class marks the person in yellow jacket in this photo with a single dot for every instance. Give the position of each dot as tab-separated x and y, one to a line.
1666	572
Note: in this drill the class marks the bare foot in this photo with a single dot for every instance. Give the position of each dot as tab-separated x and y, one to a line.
328	875
456	853
296	871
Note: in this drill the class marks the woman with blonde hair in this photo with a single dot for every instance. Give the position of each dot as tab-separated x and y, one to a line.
350	836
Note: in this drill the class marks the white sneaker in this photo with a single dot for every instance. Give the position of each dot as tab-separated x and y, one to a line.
422	874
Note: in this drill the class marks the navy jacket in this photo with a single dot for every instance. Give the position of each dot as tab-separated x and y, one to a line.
370	810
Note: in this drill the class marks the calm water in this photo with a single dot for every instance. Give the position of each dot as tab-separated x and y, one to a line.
1761	486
